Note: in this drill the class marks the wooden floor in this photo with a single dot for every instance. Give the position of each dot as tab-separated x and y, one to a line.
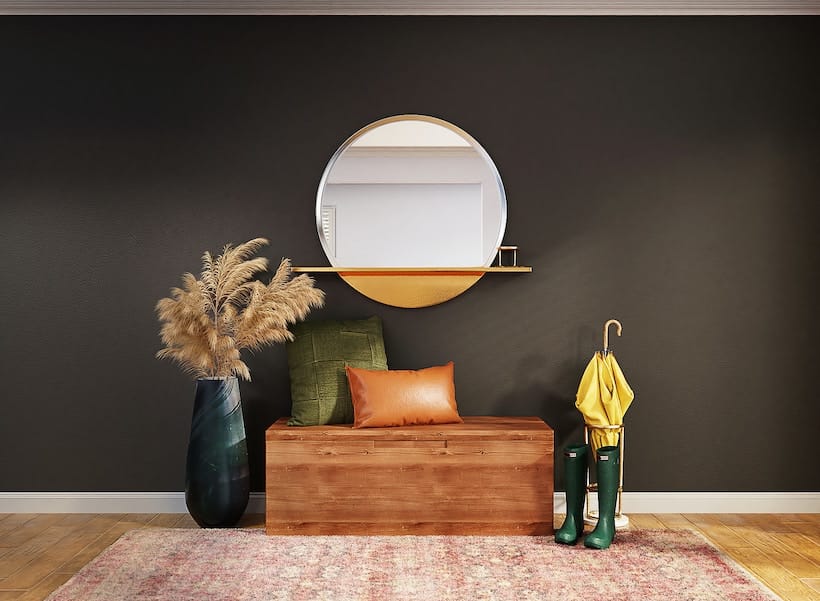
39	552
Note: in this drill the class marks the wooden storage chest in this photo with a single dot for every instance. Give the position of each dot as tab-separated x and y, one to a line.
489	475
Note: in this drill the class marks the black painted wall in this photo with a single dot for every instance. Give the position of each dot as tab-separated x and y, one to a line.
663	171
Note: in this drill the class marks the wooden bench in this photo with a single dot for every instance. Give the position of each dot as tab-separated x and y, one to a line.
489	475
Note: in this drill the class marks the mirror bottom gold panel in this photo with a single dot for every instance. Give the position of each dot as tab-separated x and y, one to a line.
411	290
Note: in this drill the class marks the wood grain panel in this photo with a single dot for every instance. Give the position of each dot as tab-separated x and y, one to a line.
492	471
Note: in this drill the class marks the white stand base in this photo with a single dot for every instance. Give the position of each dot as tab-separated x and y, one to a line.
621	521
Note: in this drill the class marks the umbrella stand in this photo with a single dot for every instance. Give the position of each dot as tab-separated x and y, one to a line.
591	517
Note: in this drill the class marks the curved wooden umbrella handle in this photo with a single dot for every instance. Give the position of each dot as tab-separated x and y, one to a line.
606	331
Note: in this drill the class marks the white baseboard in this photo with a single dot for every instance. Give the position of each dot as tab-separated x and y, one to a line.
710	502
105	502
633	502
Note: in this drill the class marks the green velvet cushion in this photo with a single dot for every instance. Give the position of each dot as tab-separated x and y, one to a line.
317	358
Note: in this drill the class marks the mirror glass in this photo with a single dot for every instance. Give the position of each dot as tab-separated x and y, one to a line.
411	191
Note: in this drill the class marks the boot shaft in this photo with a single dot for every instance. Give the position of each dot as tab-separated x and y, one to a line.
576	459
608	467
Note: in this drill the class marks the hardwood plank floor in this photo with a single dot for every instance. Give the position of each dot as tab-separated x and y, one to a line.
39	552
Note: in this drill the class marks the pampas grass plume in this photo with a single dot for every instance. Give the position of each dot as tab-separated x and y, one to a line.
207	322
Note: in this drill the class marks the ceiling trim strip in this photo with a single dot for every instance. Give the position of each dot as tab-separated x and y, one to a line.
405	7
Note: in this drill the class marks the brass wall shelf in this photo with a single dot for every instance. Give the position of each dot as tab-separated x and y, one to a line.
414	270
412	287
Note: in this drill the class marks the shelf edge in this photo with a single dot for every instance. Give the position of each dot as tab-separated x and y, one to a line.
413	270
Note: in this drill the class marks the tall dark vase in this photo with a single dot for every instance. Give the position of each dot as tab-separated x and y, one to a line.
217	481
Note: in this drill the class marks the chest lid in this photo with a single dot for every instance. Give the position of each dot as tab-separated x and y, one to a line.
473	428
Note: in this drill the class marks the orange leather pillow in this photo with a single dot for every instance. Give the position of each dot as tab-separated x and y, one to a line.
403	397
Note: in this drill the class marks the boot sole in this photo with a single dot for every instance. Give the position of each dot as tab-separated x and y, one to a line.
564	542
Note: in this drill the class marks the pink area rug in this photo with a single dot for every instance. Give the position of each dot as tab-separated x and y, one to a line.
240	565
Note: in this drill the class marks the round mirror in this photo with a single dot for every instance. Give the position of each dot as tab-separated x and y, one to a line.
409	204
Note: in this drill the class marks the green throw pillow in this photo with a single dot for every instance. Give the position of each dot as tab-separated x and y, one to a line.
317	358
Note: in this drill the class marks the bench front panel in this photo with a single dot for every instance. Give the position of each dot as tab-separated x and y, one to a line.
455	479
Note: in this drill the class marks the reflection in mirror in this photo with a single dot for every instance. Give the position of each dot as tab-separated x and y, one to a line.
411	191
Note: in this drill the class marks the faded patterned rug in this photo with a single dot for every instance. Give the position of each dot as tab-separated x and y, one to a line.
247	565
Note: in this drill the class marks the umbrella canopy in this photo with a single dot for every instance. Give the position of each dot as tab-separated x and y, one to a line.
603	398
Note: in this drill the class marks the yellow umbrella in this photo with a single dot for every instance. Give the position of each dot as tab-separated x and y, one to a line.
603	395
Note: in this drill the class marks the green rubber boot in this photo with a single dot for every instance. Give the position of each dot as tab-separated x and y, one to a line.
575	474
608	466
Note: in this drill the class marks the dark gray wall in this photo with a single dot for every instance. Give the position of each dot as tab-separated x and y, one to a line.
661	171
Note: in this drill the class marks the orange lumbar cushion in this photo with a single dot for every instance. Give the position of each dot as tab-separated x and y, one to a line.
403	397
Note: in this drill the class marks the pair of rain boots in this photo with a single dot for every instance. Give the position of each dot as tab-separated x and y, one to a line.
575	471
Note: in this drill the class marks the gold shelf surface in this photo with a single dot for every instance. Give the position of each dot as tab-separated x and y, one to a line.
414	270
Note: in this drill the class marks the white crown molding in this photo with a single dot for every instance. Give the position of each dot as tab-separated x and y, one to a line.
408	7
633	502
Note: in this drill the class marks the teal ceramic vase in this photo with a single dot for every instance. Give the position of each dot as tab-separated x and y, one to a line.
217	481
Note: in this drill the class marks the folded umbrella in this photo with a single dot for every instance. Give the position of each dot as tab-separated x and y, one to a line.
603	397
